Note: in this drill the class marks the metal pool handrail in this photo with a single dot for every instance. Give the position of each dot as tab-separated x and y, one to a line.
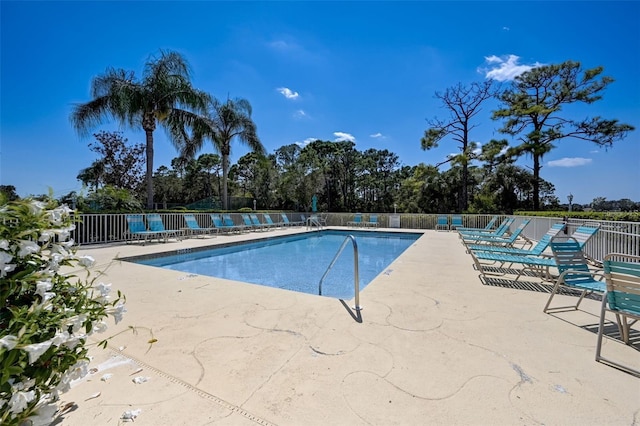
356	274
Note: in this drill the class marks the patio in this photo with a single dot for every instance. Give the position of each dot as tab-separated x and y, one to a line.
434	346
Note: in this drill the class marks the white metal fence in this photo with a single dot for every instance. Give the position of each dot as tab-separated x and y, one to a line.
620	237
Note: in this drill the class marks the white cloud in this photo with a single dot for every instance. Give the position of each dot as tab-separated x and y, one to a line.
377	135
570	162
299	114
305	142
505	28
341	136
504	68
288	93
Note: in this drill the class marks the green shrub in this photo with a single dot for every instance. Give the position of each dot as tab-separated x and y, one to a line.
613	216
46	315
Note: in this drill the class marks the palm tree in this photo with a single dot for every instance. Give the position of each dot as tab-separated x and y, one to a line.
224	123
163	96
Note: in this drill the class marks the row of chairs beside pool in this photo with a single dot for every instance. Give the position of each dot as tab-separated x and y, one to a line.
150	227
359	222
558	259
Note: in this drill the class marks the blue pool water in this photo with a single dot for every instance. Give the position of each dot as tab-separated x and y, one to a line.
296	262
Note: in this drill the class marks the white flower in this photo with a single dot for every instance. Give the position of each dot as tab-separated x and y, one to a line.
19	401
104	290
60	249
27	247
46	235
5	266
63	234
43	286
99	326
36	350
36	207
74	340
117	312
60	338
4	244
43	415
9	342
79	370
76	322
54	261
86	261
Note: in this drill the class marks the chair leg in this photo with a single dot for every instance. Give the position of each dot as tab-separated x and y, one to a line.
601	328
553	293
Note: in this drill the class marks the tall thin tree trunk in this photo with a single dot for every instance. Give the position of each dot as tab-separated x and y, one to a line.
149	149
225	174
536	182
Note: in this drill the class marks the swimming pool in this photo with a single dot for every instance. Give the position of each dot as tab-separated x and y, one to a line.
295	262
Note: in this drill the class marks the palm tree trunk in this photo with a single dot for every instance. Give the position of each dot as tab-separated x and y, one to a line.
149	136
225	173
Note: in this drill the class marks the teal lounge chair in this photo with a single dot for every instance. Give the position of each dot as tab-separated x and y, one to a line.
487	228
456	222
500	231
193	228
156	225
270	222
247	221
228	221
357	220
622	298
255	222
493	240
574	271
226	228
537	250
373	221
287	222
138	230
442	222
538	264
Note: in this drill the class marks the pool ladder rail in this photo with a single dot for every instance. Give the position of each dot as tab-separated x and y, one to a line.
356	274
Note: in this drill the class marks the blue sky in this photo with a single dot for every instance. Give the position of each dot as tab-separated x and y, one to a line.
361	71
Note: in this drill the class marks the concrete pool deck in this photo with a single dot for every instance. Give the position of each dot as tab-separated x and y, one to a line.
434	346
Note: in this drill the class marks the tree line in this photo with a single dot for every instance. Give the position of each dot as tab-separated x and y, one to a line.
482	177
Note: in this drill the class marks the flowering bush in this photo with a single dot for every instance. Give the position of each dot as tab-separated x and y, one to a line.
46	310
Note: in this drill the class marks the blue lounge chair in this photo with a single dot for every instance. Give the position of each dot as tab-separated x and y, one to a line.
537	250
493	240
622	298
254	222
442	222
270	222
373	221
193	228
156	225
138	230
500	231
287	222
487	228
228	221
357	220
456	222
247	221
574	271
219	223
538	264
